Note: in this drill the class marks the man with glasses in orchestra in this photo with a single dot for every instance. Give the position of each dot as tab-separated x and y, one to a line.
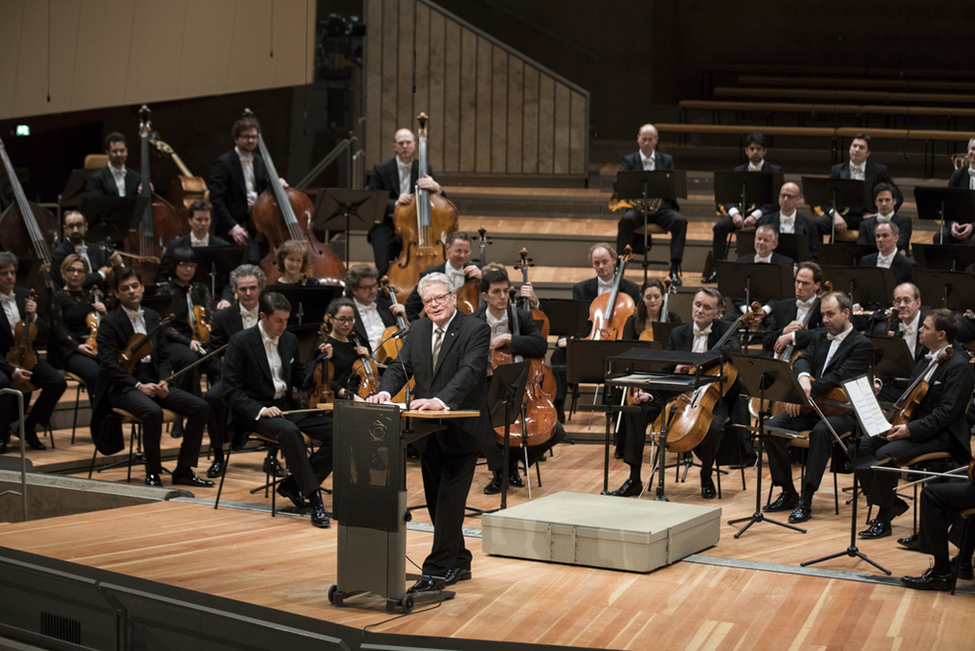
115	179
883	199
99	261
446	353
373	313
458	267
788	220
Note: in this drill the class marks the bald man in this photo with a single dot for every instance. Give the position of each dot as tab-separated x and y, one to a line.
398	176
667	215
789	220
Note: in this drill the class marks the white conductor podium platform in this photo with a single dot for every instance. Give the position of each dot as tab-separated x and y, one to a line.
601	531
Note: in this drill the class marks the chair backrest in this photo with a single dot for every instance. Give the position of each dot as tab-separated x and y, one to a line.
93	161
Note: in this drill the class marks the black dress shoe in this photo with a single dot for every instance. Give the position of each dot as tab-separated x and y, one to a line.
458	574
288	487
154	480
965	570
877	529
273	468
910	543
929	581
319	516
515	480
784	502
628	489
3	446
428	585
215	469
494	487
190	478
713	278
33	443
675	278
618	454
801	513
708	491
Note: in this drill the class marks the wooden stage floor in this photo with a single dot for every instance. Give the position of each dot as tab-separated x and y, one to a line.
741	594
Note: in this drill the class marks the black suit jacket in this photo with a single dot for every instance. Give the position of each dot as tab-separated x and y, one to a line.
878	328
682	338
102	183
902	267
868	229
873	173
588	290
6	334
960	178
803	226
783	313
459	379
943	407
767	208
529	341
98	257
164	271
414	304
777	258
382	306
228	192
385	176
661	161
852	359
247	377
224	324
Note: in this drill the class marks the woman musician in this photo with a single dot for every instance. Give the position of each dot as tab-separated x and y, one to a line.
340	350
648	310
73	309
292	263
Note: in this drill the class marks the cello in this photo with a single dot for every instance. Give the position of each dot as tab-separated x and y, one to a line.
541	320
609	312
422	227
669	288
469	294
160	223
536	424
282	214
28	231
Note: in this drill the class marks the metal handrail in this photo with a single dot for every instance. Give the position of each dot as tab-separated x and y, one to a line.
331	157
23	451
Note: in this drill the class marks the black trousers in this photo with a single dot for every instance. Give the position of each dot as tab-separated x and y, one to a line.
51	385
385	248
820	448
218	420
308	471
671	220
940	505
181	356
719	241
825	222
446	483
879	485
150	412
84	367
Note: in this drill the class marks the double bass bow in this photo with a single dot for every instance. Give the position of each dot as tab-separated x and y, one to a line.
282	214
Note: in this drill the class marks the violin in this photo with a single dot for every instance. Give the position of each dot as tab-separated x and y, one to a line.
202	330
422	227
366	369
22	353
324	372
140	346
469	294
93	320
539	412
609	312
669	288
282	214
689	415
901	412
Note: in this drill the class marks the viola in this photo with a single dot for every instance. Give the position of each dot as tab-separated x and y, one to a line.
140	346
22	353
93	320
609	312
202	330
901	412
282	214
321	391
366	369
422	227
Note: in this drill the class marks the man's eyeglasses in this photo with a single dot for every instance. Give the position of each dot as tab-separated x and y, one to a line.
436	299
783	195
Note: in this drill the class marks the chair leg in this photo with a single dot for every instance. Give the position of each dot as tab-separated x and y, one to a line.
128	476
223	475
74	423
91	468
717	472
964	536
836	493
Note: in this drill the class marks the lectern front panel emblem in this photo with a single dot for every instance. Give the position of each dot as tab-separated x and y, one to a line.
377	432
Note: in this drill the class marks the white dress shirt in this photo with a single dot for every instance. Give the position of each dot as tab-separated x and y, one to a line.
118	174
405	171
372	322
931	357
884	261
835	341
700	344
201	242
909	332
138	320
787	223
10	309
648	163
457	275
498	327
249	317
971	177
884	219
604	286
250	181
857	171
274	362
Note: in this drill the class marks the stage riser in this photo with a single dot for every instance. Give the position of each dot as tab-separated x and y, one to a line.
601	531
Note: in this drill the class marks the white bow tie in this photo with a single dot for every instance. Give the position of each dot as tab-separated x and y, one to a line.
8	300
80	248
702	333
246	158
272	341
252	314
884	219
834	337
752	168
971	172
805	304
368	308
906	329
134	314
859	169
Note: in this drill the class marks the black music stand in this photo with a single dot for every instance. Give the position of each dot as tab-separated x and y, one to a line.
744	189
947	257
308	304
348	210
891	357
662	184
74	192
567	317
505	404
216	262
768	380
864	285
836	193
662	330
769	281
790	244
934	204
585	364
111	218
954	288
844	254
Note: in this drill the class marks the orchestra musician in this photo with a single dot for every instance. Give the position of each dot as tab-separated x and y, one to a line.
667	215
339	349
145	392
887	256
963	178
905	322
18	305
98	261
937	424
766	239
784	325
836	353
788	220
755	150
398	176
648	309
292	262
261	370
200	220
71	306
495	286
247	282
940	505
373	313
115	179
458	267
883	199
446	353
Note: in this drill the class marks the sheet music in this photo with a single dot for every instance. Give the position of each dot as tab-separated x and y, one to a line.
865	405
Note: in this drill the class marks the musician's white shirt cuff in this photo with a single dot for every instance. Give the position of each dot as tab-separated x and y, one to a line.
756	214
101	273
802	375
381	395
793	335
733	212
261	413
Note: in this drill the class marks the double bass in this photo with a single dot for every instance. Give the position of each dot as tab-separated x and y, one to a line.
160	223
609	312
185	188
282	214
422	227
469	294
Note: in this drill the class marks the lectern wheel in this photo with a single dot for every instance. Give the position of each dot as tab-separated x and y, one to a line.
408	604
332	597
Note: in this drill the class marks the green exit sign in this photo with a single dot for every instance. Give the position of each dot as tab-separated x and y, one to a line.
22	130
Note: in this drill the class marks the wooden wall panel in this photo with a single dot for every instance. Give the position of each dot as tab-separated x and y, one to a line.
482	143
546	125
405	111
468	100
578	135
435	106
499	111
560	140
374	90
452	101
516	94
389	120
530	135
